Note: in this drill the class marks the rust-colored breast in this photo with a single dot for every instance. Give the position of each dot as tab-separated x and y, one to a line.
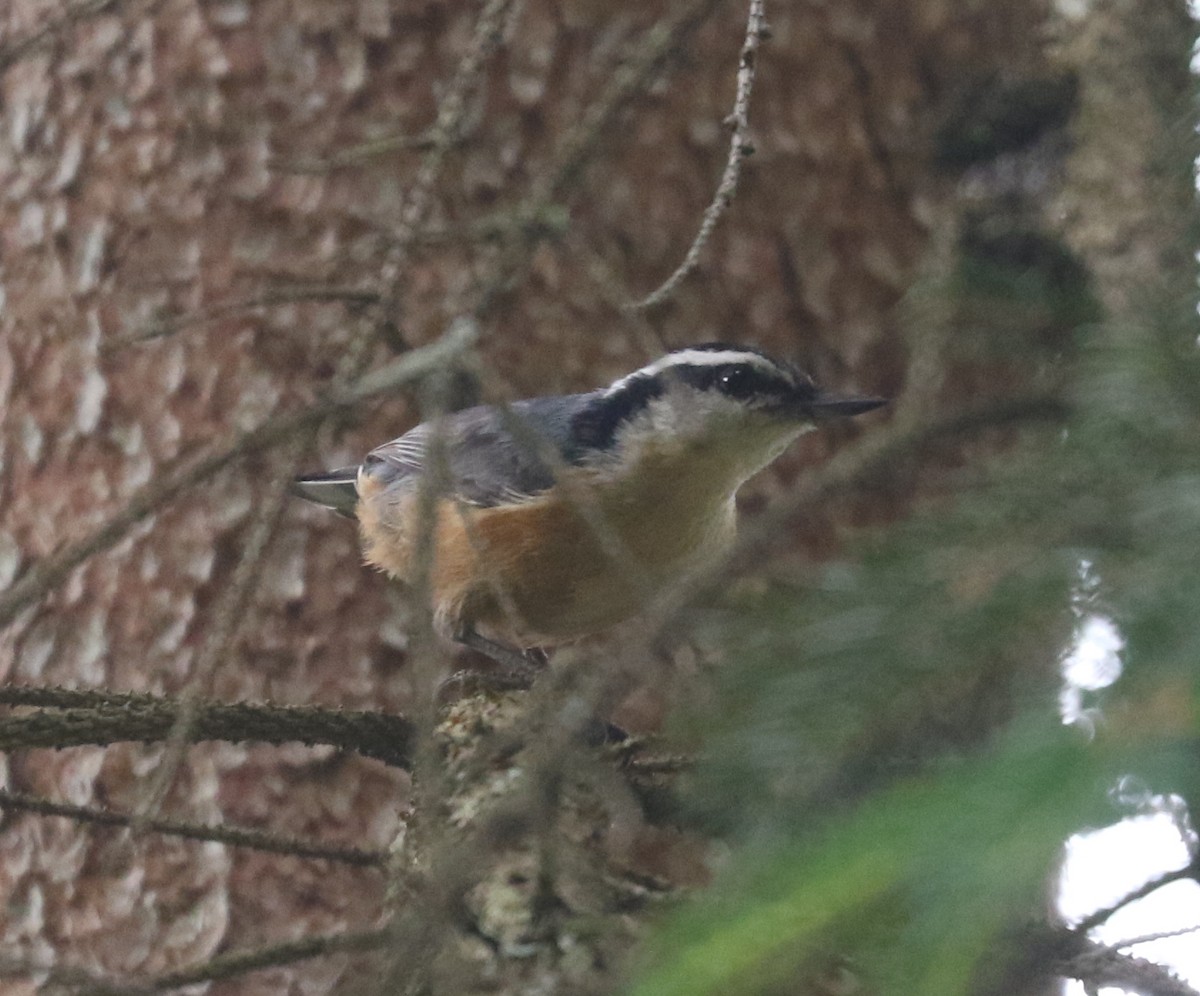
572	562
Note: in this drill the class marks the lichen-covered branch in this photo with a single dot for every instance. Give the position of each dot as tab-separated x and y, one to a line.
1098	966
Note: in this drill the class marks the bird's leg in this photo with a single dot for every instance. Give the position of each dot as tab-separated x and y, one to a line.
517	668
516	672
507	657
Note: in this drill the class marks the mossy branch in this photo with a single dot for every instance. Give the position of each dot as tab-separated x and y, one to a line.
82	718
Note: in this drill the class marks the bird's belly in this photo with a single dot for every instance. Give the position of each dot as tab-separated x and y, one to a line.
566	574
547	571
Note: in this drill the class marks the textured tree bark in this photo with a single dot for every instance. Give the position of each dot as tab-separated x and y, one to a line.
207	177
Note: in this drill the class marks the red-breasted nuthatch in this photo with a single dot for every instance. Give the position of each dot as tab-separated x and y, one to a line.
556	517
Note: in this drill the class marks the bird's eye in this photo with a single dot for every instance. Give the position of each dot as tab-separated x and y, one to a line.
737	382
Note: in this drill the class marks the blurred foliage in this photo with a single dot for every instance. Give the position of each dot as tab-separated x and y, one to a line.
888	748
997	115
914	886
1017	286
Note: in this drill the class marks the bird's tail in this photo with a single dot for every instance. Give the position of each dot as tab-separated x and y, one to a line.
333	489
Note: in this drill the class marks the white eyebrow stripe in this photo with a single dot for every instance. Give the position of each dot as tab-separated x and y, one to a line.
699	358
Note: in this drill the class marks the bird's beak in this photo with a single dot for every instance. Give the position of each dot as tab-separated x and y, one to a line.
825	404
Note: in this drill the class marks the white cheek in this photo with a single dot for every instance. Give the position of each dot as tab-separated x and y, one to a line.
677	417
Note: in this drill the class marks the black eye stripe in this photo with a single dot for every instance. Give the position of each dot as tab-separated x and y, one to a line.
740	381
597	425
737	380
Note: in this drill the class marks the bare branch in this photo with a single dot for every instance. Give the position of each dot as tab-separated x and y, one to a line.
233	964
541	211
636	71
1100	916
356	154
1160	935
286	295
740	149
150	718
257	840
485	39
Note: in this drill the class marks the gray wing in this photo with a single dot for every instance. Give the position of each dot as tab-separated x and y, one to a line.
493	455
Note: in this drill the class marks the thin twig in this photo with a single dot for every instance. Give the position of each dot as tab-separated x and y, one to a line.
446	130
433	487
740	149
235	963
52	570
1093	920
355	154
542	211
221	632
289	295
257	840
488	33
485	39
636	70
150	718
1161	935
614	294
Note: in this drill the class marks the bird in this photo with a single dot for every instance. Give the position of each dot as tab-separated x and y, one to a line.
558	517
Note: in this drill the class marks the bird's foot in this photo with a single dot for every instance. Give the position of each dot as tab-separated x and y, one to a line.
516	669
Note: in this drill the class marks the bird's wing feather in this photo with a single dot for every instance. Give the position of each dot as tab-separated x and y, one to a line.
491	460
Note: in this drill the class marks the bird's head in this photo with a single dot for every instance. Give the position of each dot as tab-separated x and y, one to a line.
735	406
